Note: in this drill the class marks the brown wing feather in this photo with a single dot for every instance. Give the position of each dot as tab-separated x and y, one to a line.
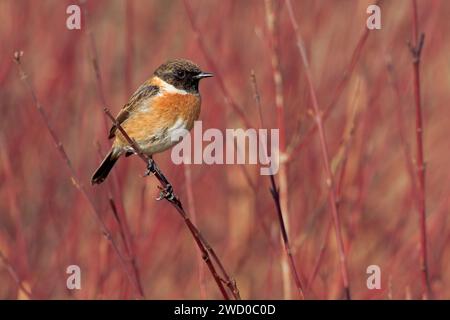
143	92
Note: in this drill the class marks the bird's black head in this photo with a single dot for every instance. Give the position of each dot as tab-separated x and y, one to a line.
182	74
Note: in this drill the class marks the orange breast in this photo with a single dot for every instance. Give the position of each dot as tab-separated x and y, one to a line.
162	113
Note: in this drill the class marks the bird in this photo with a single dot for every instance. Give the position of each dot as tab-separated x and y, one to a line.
165	103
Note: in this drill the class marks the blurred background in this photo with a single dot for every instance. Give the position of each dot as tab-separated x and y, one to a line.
363	79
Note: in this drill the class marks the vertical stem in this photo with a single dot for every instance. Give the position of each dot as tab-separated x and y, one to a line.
318	118
416	50
129	31
276	198
198	35
14	275
125	233
72	173
294	149
208	254
191	207
271	20
123	222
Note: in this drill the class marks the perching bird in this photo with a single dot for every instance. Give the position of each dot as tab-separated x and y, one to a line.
164	104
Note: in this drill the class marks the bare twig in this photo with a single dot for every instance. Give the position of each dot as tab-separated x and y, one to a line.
129	32
320	256
401	132
416	50
115	186
228	98
14	275
94	60
294	149
276	198
342	157
205	248
318	118
73	176
191	207
203	245
129	247
272	12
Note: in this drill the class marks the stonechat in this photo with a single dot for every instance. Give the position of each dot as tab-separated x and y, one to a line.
167	102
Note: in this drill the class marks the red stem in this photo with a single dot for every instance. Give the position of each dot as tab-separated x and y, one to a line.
276	198
73	176
318	118
15	276
228	98
272	13
206	250
122	220
293	150
416	50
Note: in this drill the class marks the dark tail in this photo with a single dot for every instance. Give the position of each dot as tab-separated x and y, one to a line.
105	167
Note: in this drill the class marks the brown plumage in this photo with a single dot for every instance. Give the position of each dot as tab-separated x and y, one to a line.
167	102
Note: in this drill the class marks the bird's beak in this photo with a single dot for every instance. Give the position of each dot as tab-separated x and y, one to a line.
202	75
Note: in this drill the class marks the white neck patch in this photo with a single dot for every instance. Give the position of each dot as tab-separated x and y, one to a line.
167	87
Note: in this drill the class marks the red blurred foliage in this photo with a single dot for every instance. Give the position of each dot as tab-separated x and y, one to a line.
46	223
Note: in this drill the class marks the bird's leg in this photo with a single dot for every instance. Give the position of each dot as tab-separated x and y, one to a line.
166	192
151	167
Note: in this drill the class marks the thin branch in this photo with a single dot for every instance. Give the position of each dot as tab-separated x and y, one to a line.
115	186
126	239
401	132
320	256
73	176
192	210
318	118
14	275
272	12
203	245
416	50
94	60
276	198
294	149
228	98
342	157
129	48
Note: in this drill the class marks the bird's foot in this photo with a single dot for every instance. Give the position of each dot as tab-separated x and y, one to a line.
151	167
166	192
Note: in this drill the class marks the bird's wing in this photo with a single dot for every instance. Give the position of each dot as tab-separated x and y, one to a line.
144	92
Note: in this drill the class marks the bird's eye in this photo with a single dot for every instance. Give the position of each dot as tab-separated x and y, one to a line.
181	74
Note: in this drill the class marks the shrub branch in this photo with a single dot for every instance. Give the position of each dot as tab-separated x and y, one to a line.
318	118
416	50
166	192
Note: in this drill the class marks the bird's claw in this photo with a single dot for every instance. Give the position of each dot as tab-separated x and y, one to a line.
166	193
150	168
